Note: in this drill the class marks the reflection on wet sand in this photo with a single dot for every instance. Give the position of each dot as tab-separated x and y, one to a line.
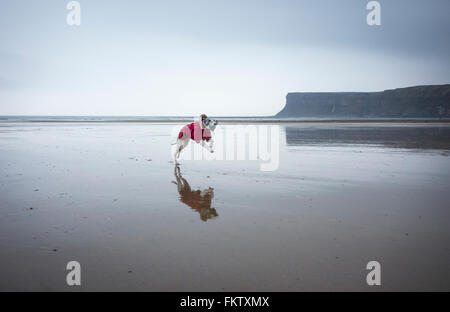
199	201
414	137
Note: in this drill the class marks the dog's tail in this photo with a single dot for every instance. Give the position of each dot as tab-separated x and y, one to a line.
174	142
179	136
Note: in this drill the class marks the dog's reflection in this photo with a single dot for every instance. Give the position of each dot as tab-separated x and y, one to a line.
199	201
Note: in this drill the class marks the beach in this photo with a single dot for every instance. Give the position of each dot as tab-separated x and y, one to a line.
109	196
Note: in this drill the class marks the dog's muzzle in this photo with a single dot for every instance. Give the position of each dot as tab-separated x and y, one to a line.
211	123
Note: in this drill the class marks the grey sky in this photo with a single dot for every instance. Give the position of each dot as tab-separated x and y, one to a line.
218	57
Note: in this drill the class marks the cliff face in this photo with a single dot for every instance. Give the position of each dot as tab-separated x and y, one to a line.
412	102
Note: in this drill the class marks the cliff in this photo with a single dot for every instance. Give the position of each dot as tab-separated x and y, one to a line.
412	102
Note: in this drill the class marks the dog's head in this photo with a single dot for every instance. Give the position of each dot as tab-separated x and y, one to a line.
210	123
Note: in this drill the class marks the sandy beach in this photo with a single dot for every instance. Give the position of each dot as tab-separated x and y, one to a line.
109	196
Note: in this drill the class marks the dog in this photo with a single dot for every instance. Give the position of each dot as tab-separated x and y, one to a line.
199	131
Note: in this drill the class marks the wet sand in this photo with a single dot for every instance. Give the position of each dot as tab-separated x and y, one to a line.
107	195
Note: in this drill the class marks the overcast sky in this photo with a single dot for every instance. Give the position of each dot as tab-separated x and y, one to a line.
223	58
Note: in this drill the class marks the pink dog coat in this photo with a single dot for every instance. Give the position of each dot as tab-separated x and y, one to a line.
195	132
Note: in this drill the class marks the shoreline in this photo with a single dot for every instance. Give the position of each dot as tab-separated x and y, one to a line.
232	121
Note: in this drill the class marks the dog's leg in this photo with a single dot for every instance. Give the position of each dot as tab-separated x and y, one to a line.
181	146
206	145
178	149
211	145
176	152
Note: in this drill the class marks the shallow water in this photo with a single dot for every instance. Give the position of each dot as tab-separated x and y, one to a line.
108	196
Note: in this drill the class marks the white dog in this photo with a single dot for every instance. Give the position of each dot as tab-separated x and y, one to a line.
199	131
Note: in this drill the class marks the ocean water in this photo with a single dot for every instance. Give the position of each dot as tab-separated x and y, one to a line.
43	118
116	118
